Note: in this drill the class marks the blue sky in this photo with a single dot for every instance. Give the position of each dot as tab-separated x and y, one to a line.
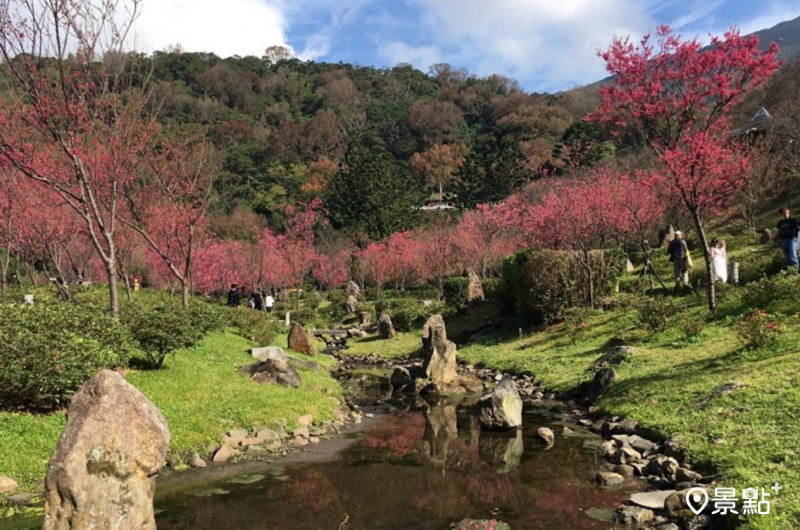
546	45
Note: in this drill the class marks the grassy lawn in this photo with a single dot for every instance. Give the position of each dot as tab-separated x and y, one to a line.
751	435
198	391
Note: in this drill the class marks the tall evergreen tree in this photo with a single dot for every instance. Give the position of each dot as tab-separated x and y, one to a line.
375	193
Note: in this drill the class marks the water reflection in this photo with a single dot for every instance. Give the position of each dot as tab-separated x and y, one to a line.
421	469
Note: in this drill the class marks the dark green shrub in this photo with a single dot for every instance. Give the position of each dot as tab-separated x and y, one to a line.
338	297
576	323
539	286
755	265
438	308
690	323
256	325
492	288
778	293
759	329
161	330
50	350
657	313
403	311
206	317
456	292
305	316
312	300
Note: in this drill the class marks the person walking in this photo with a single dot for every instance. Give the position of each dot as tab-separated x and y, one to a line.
269	303
787	232
234	296
719	261
679	256
257	299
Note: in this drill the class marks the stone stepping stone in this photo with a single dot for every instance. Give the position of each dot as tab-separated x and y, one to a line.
653	500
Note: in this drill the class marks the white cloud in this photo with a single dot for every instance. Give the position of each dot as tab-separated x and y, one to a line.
232	27
421	57
554	42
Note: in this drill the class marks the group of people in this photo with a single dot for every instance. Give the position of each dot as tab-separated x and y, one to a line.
257	300
681	260
788	231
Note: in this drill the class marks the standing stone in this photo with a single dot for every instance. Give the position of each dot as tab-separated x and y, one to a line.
385	327
366	316
440	353
352	288
102	474
300	340
601	380
435	320
501	409
288	319
352	304
767	236
475	289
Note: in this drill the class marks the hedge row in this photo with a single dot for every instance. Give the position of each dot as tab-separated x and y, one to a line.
539	286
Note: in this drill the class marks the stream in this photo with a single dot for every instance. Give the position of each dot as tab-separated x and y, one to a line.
421	468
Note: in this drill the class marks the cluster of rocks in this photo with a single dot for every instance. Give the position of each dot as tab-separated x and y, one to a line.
254	444
527	387
274	366
664	467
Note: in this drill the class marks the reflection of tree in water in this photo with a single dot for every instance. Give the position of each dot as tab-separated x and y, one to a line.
312	488
401	434
415	471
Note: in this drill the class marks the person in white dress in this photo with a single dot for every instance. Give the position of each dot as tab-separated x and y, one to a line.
719	261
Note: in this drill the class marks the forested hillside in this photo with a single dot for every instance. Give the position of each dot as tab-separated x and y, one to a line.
371	143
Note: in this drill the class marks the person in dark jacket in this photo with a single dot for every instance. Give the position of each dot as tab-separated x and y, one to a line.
787	232
679	256
257	299
234	296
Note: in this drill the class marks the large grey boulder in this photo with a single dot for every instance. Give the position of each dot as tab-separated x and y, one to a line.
272	371
502	408
440	354
103	471
266	353
7	484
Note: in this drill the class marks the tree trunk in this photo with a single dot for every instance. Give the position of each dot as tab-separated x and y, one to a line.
589	277
113	288
128	287
701	233
4	272
7	257
185	292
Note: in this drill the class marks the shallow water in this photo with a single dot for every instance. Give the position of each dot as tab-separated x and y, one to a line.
421	469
